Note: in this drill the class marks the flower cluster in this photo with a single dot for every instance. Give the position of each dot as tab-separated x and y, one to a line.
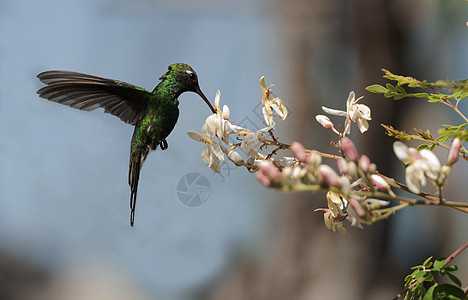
347	196
357	192
425	164
217	129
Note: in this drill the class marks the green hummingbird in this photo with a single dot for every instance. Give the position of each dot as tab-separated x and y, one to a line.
154	114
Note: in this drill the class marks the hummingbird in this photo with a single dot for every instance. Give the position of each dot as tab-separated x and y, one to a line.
154	114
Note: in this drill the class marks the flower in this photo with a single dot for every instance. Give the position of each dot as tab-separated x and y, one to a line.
213	131
422	164
269	105
355	112
250	143
336	212
213	152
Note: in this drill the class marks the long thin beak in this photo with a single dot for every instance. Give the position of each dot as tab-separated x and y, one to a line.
199	92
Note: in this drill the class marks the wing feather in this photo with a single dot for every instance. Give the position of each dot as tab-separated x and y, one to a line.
88	92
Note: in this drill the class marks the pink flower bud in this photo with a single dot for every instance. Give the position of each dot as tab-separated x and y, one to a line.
364	163
299	151
328	176
349	150
269	170
324	121
314	159
263	179
380	182
454	150
342	165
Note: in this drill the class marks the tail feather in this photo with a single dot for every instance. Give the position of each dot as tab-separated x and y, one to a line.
137	158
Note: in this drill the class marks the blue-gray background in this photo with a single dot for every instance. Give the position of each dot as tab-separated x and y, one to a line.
64	172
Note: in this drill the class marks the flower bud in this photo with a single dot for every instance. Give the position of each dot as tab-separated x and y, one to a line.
225	112
342	165
324	121
454	150
328	176
372	203
235	158
444	173
296	172
364	163
349	150
269	170
314	159
263	179
286	172
299	151
380	182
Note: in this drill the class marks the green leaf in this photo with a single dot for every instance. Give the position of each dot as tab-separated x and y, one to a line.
423	146
400	89
443	138
430	293
439	263
454	279
451	268
418	274
427	263
391	88
420	95
448	291
376	88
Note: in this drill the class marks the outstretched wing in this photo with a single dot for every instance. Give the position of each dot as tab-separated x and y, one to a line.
88	92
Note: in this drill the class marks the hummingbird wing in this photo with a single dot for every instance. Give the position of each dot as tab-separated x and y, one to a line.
88	92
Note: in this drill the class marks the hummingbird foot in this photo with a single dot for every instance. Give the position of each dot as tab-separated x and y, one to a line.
163	144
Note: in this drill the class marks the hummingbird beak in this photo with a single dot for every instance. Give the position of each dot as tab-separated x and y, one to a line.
200	93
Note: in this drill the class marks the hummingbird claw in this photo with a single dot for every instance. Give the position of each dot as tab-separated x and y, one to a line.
163	144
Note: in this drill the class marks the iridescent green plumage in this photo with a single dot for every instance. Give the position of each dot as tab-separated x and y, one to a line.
154	114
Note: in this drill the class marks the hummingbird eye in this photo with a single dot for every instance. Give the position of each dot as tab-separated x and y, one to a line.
191	74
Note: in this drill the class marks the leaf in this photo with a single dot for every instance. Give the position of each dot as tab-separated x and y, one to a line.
400	89
421	147
430	293
427	263
420	95
451	268
454	279
391	88
376	88
443	138
439	263
450	290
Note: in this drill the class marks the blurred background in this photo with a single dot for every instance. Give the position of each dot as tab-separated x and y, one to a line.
64	218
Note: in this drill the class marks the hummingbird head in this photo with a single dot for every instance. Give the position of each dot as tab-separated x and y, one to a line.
184	79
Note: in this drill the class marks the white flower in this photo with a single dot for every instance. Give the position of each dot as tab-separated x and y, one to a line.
355	112
269	105
250	142
213	152
422	164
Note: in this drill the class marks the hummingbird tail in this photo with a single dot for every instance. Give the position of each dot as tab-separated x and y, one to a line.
137	158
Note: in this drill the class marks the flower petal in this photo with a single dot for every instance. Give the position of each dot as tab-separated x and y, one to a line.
334	112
